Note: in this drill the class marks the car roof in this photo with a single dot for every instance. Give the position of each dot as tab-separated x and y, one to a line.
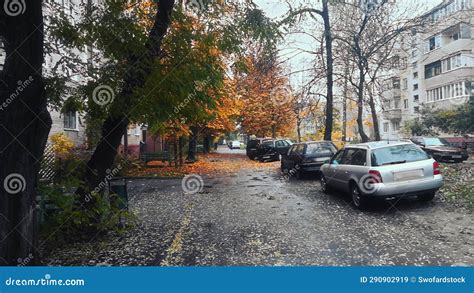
378	144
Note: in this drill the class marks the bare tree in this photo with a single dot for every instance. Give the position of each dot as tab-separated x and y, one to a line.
368	37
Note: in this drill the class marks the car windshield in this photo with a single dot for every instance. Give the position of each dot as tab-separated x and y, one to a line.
314	148
435	141
397	155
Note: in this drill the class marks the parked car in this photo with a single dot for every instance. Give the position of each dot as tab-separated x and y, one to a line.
307	157
252	147
235	144
440	149
385	170
272	149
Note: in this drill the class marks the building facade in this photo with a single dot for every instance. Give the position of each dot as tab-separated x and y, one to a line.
436	67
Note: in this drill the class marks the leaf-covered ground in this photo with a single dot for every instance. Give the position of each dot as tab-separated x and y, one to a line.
213	163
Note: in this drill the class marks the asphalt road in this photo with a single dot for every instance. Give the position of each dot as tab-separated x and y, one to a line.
257	217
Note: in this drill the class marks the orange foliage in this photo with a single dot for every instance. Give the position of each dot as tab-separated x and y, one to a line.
267	101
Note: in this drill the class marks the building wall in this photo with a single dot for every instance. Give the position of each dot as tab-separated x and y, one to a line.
449	33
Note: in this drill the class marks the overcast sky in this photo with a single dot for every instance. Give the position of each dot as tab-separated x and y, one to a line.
297	60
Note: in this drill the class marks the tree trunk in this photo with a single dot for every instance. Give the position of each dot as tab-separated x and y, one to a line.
344	105
298	128
180	150
360	105
175	152
329	72
116	123
24	126
192	144
207	144
375	119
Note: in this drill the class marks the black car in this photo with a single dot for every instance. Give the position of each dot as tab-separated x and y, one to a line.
440	149
272	149
252	147
307	157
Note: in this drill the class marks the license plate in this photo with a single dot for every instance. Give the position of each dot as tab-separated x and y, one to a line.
456	157
407	175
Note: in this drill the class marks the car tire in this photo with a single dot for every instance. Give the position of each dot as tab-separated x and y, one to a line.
324	184
427	196
358	199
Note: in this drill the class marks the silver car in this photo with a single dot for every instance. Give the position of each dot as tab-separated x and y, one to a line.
384	170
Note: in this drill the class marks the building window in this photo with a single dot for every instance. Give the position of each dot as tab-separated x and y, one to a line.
416	98
433	43
415	74
70	120
405	83
396	125
414	64
385	127
432	69
452	62
455	90
415	86
405	103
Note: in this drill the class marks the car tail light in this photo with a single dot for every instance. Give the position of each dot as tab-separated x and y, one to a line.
436	170
375	176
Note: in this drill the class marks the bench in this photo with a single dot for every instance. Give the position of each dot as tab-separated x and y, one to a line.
199	148
158	156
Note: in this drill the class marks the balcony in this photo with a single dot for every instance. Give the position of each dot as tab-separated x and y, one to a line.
393	114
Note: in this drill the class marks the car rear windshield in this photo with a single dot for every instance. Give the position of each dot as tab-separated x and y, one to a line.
435	141
397	155
314	148
253	143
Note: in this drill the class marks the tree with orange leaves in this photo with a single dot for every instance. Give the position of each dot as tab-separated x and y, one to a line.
267	98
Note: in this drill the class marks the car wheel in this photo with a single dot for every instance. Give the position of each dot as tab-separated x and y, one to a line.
427	196
358	199
324	184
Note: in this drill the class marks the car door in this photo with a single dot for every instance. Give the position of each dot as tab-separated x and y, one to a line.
286	158
353	166
280	147
333	167
340	170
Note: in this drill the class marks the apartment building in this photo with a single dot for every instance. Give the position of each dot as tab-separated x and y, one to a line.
436	67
